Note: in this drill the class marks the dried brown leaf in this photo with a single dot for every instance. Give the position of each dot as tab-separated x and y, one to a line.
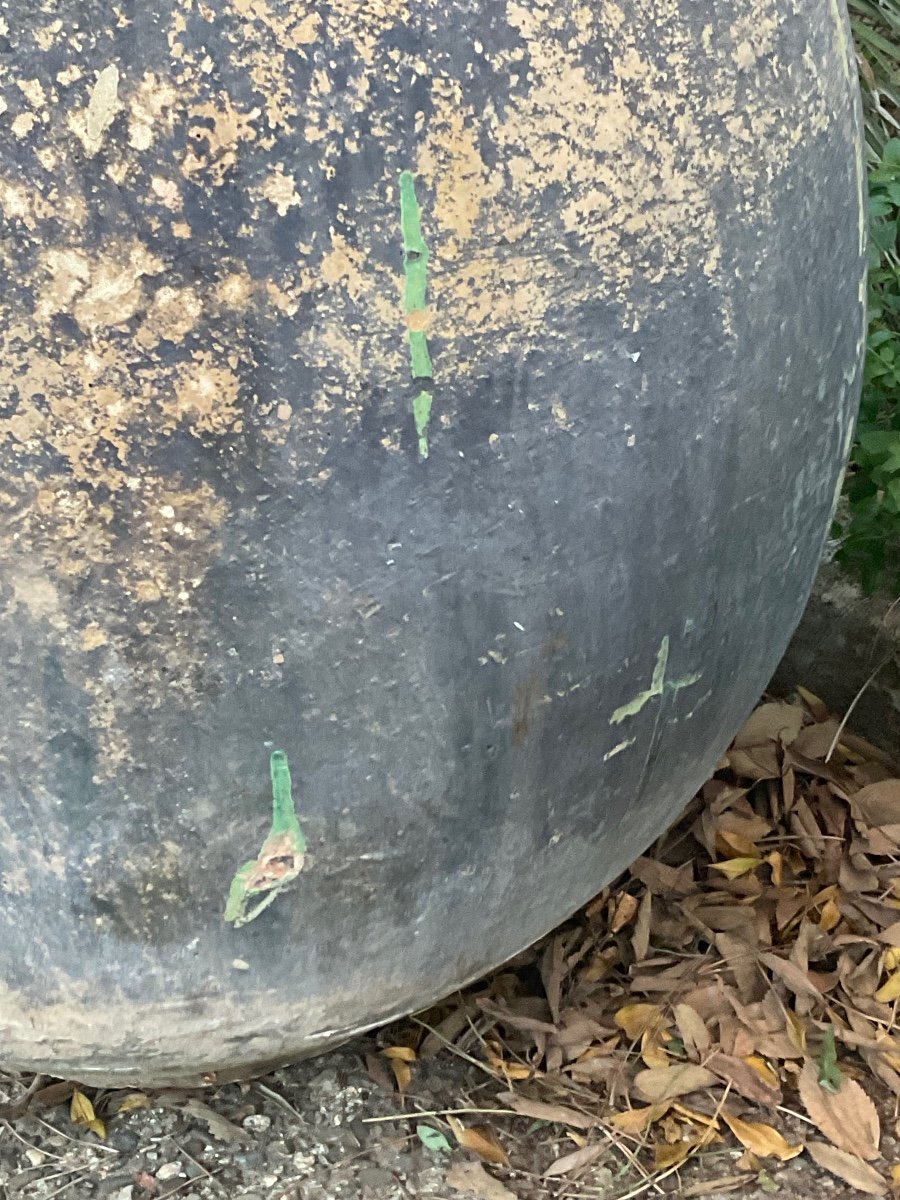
640	940
379	1072
52	1094
471	1177
762	1140
220	1127
636	1019
847	1117
744	1079
815	740
666	1083
797	980
448	1030
756	762
734	868
770	723
878	804
693	1030
399	1053
625	912
402	1073
81	1112
541	1111
848	1167
742	961
636	1120
572	1162
553	971
818	708
481	1140
671	1155
662	879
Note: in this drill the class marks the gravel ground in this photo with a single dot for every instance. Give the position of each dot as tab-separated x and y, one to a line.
307	1133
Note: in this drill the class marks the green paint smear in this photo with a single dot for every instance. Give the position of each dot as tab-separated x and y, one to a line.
284	817
422	415
658	685
415	267
419	358
280	859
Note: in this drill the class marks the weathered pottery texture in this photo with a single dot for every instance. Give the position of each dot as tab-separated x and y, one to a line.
450	395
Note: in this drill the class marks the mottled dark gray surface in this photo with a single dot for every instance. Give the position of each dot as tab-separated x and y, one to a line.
218	535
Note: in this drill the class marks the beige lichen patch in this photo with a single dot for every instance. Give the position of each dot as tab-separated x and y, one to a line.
172	314
343	265
450	160
638	193
151	110
69	75
80	418
280	189
167	191
38	596
33	91
23	124
362	23
97	292
92	636
234	291
18	201
216	131
48	34
206	395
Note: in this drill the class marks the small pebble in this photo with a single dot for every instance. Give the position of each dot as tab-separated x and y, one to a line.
257	1122
169	1171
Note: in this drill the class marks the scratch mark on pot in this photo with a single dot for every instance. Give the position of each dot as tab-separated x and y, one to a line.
658	685
415	267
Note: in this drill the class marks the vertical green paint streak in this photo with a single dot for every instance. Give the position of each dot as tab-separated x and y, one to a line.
284	818
415	267
422	415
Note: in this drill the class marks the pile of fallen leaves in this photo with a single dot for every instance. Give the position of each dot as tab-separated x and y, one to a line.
739	983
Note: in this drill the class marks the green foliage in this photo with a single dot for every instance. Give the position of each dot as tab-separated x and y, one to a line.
432	1139
869	533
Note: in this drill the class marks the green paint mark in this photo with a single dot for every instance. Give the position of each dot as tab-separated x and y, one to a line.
422	415
658	685
419	358
280	859
415	267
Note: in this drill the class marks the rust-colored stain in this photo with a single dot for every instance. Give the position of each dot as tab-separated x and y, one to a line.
527	692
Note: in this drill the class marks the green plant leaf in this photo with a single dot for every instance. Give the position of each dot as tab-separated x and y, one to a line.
432	1139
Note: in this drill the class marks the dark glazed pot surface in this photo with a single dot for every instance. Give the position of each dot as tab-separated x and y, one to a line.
450	394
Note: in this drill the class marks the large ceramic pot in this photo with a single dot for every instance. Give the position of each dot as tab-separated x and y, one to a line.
448	395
